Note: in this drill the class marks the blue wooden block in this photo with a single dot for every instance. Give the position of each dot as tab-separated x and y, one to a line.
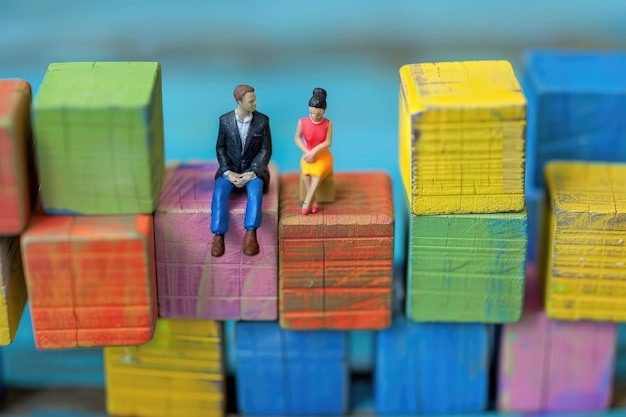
578	99
432	368
282	372
360	349
535	208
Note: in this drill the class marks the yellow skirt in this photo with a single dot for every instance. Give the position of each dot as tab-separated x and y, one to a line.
321	167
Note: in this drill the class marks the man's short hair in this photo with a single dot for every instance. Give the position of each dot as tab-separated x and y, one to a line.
241	90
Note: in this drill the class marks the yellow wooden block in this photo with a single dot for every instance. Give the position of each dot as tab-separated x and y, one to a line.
583	263
462	137
179	373
12	288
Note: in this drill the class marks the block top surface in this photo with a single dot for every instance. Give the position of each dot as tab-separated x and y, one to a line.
587	187
12	92
46	228
97	85
188	188
577	71
363	206
464	86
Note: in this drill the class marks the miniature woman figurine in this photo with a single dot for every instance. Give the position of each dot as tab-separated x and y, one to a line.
314	135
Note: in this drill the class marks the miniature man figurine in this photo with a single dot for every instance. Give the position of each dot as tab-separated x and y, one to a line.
244	148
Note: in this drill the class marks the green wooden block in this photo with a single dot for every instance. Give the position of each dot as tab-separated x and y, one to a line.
99	137
467	267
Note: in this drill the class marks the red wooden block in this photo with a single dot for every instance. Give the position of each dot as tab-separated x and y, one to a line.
17	184
335	266
91	280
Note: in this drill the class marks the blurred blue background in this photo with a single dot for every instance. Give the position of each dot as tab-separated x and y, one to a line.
284	49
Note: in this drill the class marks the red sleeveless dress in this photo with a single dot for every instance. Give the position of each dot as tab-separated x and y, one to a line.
312	135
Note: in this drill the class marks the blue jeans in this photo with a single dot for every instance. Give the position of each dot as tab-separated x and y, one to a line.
219	205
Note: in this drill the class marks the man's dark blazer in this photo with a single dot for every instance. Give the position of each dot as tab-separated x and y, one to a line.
257	152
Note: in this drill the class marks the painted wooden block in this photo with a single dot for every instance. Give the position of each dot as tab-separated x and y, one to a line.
325	191
17	182
192	283
178	373
336	266
99	137
12	288
431	368
91	280
285	372
578	100
461	137
554	366
534	207
466	267
583	255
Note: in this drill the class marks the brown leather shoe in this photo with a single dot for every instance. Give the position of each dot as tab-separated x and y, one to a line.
250	244
217	249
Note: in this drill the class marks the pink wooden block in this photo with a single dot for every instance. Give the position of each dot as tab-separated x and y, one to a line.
554	366
193	284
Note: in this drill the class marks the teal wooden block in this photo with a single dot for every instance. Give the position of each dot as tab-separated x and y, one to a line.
98	134
466	267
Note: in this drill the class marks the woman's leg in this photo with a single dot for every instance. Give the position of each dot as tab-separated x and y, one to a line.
307	182
315	181
307	185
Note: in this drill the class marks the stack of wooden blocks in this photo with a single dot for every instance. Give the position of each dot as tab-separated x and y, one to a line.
88	249
113	247
561	356
462	162
17	192
335	274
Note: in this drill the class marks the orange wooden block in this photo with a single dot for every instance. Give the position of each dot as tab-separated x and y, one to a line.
91	280
17	185
335	266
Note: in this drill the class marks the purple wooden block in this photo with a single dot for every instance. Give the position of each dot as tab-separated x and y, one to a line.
554	366
193	284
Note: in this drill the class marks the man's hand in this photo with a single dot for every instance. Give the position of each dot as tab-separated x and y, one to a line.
235	179
247	176
240	180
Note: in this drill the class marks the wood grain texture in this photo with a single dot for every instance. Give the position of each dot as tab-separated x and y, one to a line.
284	372
12	288
91	280
99	137
431	368
17	182
193	284
554	366
461	137
336	266
180	372
466	267
584	256
578	99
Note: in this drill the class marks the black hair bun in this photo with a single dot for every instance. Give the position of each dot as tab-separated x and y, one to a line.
319	92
